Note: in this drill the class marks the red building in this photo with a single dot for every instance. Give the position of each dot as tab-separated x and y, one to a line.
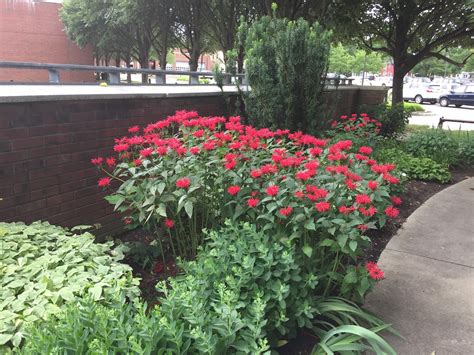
31	31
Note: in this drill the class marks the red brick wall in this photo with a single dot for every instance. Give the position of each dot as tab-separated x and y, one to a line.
33	32
46	147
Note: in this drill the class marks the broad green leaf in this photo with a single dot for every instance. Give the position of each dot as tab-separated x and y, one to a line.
308	250
309	224
188	207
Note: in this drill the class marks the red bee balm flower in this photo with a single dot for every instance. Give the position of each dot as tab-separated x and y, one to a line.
233	190
134	129
104	182
97	161
362	199
396	200
372	185
253	202
183	183
286	211
323	206
374	272
365	150
110	162
272	190
169	223
391	211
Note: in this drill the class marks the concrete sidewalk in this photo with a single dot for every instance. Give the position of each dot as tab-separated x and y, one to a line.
428	294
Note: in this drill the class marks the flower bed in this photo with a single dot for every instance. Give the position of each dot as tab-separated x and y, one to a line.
187	173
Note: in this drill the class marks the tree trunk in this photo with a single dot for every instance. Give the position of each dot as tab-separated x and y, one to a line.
129	76
240	59
397	88
144	62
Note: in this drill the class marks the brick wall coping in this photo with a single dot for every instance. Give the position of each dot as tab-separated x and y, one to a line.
33	93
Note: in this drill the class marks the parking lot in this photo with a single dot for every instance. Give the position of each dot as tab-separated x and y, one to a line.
465	113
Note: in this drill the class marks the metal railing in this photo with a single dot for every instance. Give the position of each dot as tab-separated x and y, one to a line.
442	120
113	73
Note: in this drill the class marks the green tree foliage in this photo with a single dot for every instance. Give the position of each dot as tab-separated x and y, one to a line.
286	61
410	31
347	60
434	66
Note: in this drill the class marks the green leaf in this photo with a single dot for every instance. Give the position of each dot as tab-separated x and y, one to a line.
353	245
96	292
188	207
66	294
326	243
310	225
342	240
161	210
5	338
161	187
307	250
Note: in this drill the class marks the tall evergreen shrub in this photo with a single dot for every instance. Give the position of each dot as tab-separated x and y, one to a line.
286	65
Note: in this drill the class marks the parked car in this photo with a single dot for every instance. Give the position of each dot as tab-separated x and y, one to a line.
462	95
421	92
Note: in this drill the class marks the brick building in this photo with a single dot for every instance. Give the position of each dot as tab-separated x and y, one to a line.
31	31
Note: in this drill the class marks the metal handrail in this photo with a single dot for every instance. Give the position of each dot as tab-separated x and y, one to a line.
114	72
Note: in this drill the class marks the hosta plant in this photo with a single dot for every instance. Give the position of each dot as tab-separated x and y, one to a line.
186	173
43	267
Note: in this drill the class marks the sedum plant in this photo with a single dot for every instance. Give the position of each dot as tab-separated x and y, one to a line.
43	267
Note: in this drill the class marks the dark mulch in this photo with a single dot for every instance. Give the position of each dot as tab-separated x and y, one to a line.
417	192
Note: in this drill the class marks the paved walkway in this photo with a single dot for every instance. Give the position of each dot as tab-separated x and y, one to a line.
428	293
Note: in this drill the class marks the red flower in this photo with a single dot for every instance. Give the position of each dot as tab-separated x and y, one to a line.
346	210
322	206
194	150
162	151
376	274
374	271
169	223
391	211
373	185
104	182
362	227
368	212
233	190
272	190
255	173
199	133
127	220
97	161
183	183
286	211
121	147
362	199
134	129
137	162
299	194
110	162
229	165
253	202
350	184
365	150
396	200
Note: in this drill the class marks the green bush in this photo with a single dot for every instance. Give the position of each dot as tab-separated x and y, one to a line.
286	63
466	151
44	267
244	291
435	144
415	168
89	327
393	119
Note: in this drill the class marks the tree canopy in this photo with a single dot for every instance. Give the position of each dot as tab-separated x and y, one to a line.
411	30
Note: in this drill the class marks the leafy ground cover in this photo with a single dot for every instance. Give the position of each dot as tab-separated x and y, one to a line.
43	267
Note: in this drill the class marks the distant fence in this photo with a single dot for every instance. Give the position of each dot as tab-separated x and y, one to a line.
112	74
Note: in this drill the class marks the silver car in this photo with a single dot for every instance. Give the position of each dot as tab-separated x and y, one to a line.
421	92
